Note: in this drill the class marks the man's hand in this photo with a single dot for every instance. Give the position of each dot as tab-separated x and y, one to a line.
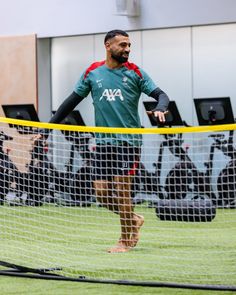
41	135
159	115
37	137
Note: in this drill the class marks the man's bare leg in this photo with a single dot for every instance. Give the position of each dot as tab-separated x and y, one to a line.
122	205
103	191
123	186
138	221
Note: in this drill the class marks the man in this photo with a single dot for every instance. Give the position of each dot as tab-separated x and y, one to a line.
116	86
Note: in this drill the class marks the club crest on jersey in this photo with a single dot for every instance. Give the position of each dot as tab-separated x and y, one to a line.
112	95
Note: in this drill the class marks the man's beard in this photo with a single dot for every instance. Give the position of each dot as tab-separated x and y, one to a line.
119	58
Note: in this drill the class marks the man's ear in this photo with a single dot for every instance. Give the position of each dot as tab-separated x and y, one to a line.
107	45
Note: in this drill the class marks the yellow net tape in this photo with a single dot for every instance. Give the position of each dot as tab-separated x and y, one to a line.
225	127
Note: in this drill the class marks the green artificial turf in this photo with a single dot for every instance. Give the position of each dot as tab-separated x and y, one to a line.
76	240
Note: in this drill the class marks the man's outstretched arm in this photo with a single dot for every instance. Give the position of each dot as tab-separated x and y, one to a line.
66	107
162	103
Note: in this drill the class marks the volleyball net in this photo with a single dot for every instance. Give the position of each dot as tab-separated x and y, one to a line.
183	186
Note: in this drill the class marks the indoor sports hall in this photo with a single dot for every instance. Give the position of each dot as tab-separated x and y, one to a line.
118	147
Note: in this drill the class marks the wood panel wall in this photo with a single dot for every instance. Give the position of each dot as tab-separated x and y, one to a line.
18	85
18	70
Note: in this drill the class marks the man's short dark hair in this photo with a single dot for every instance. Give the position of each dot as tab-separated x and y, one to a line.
113	33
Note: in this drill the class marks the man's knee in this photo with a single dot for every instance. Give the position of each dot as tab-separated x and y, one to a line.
123	183
101	188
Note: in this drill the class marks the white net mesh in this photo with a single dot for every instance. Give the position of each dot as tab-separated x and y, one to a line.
184	188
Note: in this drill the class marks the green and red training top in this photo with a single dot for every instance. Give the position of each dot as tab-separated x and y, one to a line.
115	94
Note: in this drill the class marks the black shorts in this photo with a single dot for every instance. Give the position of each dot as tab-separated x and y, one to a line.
113	161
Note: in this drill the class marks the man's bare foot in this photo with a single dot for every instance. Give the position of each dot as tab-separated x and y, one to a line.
138	222
121	247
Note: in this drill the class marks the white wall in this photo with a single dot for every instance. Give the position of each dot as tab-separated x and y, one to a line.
70	57
214	62
185	62
44	79
50	18
167	58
